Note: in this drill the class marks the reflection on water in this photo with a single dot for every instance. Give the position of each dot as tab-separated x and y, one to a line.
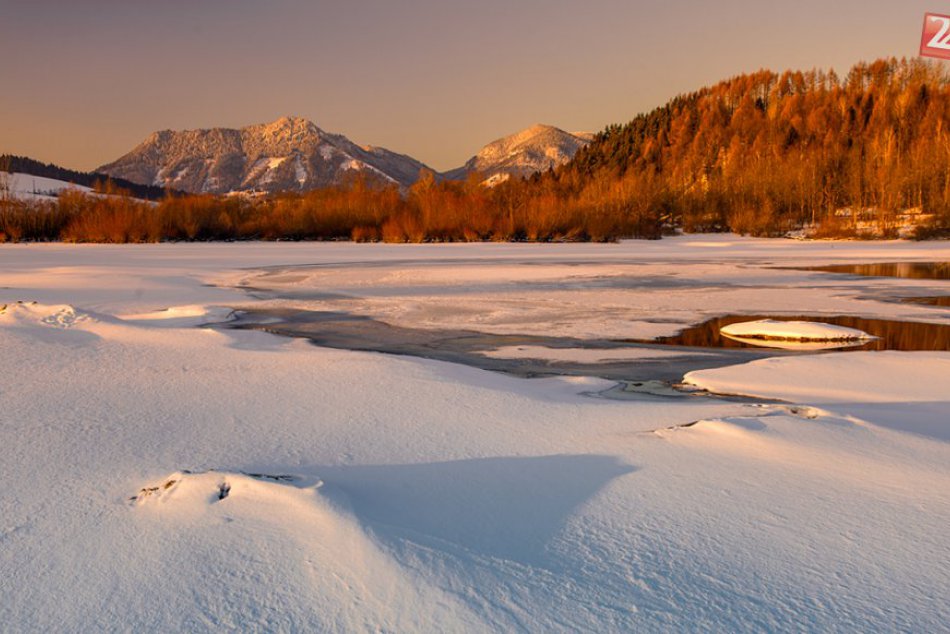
909	270
799	345
906	270
891	335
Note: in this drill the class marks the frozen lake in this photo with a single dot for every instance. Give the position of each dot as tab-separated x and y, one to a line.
164	470
465	310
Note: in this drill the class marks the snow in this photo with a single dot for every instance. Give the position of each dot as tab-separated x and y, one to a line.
355	164
31	312
901	390
300	171
792	330
636	290
496	179
536	148
30	187
370	492
262	172
182	316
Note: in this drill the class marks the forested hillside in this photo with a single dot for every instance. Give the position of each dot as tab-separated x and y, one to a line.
767	152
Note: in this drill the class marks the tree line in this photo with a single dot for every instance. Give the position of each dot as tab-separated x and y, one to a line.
360	210
764	153
761	153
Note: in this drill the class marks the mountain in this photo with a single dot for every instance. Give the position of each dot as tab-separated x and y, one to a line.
535	149
290	154
50	178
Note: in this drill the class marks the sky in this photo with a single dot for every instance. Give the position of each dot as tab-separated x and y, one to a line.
84	81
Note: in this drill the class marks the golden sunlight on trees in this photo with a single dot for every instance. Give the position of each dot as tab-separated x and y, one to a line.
764	153
761	154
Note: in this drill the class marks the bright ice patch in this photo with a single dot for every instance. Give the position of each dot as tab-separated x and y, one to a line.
183	316
765	330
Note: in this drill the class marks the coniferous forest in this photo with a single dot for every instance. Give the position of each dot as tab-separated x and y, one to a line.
761	154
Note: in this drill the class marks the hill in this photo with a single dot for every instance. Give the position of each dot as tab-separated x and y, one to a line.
535	149
28	166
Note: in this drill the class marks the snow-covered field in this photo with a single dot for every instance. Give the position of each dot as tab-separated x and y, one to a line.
30	187
162	476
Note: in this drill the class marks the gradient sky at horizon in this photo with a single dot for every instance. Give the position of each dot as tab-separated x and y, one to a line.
85	81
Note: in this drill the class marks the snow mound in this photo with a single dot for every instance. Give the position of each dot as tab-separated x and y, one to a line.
201	488
857	377
281	555
183	316
793	331
55	316
907	391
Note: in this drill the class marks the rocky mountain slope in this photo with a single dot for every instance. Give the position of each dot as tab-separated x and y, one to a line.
293	154
290	154
534	149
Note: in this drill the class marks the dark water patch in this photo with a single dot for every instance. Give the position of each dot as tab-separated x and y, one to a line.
906	270
627	282
529	258
942	301
304	294
891	334
355	332
586	283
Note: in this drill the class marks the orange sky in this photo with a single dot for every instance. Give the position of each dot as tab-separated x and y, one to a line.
84	82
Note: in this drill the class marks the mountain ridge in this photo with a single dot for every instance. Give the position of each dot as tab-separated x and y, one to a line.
294	154
289	154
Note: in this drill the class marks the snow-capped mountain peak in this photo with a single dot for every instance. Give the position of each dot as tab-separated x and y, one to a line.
534	149
291	153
